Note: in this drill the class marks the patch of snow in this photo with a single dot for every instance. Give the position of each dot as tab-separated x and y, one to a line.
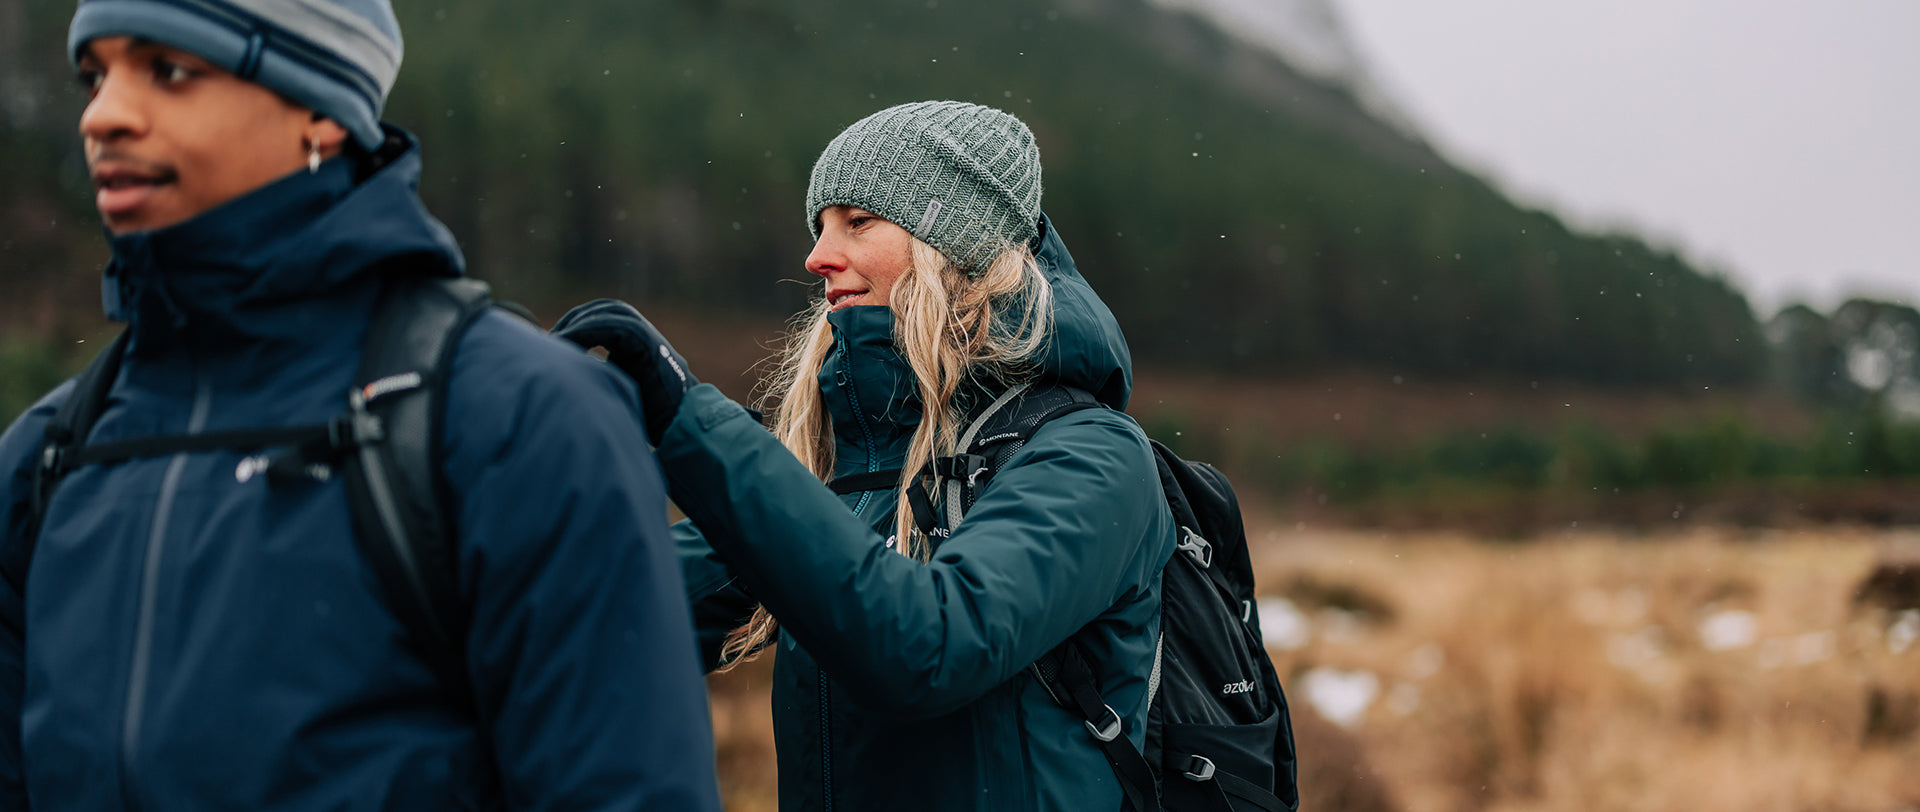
1341	696
1281	625
1728	629
1904	631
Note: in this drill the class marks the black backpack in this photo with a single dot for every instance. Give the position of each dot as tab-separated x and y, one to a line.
1218	733
382	441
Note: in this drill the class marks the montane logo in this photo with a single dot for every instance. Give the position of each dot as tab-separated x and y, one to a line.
1241	687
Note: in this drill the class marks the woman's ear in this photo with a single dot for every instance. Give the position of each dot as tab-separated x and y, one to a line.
325	136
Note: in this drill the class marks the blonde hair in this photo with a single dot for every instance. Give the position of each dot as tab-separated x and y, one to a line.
950	326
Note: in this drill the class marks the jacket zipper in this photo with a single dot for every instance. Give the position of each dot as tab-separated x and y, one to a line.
844	375
826	742
149	587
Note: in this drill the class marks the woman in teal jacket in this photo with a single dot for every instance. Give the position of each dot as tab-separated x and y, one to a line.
900	677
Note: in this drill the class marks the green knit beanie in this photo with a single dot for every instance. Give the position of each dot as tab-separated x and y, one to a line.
963	178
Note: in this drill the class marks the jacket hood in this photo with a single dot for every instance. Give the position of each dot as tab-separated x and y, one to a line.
230	269
1086	348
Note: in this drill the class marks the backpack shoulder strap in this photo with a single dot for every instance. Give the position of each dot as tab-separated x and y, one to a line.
1066	676
986	446
995	437
65	431
395	486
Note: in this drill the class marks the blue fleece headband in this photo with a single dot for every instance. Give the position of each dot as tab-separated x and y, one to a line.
335	57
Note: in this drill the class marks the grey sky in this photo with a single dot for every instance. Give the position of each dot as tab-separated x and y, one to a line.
1775	142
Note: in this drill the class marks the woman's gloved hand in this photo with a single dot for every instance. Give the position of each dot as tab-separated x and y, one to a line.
638	349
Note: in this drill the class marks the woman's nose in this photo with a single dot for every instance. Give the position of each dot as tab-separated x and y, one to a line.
826	256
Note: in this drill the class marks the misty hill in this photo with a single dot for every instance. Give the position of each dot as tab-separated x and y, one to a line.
1311	37
1238	212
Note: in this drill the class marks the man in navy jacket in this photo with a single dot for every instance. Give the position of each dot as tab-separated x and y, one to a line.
192	637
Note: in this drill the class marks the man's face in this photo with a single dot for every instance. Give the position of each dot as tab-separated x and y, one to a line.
169	136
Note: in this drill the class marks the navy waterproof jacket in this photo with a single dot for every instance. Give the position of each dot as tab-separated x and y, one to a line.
901	685
198	639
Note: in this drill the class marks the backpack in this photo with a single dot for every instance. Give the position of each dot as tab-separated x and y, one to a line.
1218	732
383	441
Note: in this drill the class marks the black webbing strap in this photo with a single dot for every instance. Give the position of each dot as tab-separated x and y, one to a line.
394	486
1065	674
1073	681
1247	791
232	440
866	481
71	423
1010	430
922	505
66	449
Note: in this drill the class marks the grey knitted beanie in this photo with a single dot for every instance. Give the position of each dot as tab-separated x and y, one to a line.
335	57
963	178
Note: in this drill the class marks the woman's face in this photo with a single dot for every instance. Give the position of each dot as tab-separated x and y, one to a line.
859	255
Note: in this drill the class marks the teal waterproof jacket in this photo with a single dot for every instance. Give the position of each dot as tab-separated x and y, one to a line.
901	685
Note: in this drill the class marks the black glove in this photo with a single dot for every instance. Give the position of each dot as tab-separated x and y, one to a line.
636	348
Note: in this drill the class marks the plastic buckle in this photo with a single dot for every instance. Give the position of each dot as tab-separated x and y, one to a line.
961	466
1109	731
1198	769
354	429
1192	544
358	426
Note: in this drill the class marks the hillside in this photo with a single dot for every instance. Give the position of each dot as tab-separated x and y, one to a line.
1239	214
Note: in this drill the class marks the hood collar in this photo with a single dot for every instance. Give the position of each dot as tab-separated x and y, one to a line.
1086	348
302	234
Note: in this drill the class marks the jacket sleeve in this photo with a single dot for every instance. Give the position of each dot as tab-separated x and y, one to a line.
1063	532
580	650
19	447
718	601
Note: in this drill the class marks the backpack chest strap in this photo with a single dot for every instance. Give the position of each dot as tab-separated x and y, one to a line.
301	447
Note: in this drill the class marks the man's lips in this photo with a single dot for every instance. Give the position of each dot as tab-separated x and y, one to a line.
121	188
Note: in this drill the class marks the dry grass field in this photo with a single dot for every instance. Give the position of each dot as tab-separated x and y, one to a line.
1704	670
1693	668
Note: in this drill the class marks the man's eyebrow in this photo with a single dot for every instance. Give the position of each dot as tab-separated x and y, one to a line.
133	44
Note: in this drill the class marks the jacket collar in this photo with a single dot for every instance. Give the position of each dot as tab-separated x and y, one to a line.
868	390
232	269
